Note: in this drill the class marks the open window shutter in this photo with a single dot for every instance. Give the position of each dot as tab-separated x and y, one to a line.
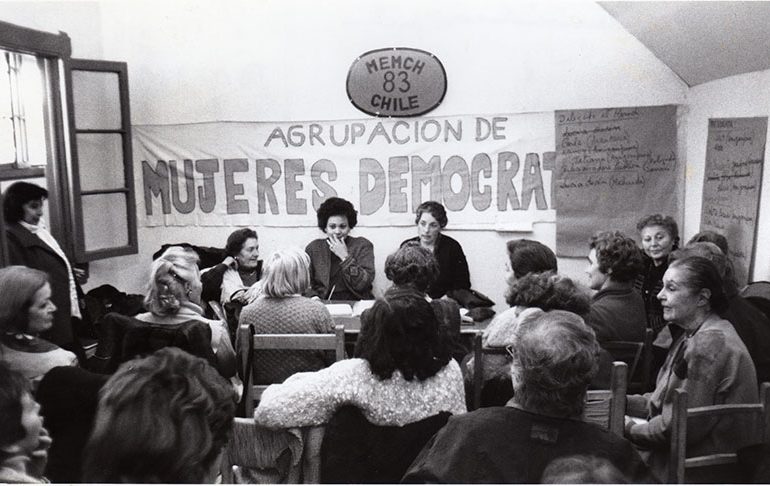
104	212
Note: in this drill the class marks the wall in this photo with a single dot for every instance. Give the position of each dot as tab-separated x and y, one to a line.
275	60
745	95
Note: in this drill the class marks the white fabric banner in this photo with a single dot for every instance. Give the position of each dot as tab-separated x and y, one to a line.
490	172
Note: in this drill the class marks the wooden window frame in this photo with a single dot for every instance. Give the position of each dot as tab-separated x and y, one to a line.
121	69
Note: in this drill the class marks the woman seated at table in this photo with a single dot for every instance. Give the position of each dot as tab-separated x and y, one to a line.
453	271
529	295
341	266
173	297
414	266
236	279
282	309
402	373
25	311
708	360
617	310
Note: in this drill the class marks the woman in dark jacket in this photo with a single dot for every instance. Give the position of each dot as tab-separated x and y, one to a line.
30	244
453	267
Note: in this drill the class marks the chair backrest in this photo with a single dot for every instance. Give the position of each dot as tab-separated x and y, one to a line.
638	357
125	337
478	366
249	342
355	451
607	408
267	455
760	288
755	417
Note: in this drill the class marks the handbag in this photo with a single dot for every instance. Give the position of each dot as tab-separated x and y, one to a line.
470	298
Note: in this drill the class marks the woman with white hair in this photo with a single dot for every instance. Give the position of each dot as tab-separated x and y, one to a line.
174	297
282	309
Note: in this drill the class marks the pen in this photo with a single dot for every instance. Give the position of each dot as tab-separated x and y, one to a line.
331	292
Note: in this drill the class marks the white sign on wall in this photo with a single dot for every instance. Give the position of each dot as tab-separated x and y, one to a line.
490	172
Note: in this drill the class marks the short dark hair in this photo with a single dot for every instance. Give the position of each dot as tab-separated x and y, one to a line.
530	256
17	195
617	255
555	357
401	332
667	222
336	206
237	239
712	237
435	209
548	291
13	386
164	418
703	274
412	264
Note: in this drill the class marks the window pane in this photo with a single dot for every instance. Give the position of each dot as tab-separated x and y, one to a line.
97	100
104	221
7	150
32	94
100	159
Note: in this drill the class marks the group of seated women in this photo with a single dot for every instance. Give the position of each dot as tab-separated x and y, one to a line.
406	365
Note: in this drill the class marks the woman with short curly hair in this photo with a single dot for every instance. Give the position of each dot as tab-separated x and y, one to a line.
660	236
533	293
341	266
617	310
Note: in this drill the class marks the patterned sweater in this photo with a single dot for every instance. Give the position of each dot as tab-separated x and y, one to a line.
312	398
289	315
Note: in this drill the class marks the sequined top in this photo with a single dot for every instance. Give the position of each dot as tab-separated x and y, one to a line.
312	398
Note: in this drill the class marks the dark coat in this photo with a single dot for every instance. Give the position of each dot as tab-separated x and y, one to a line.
25	248
453	267
357	451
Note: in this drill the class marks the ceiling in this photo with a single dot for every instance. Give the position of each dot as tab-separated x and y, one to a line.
700	41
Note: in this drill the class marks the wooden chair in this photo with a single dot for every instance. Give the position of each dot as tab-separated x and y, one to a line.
478	367
760	288
638	357
288	456
607	408
248	342
757	416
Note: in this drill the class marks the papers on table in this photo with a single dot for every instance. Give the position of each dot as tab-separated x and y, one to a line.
343	310
346	310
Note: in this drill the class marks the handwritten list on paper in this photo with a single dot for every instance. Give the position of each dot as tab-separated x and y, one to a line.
613	166
731	186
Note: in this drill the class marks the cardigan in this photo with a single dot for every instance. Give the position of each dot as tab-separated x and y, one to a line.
312	398
357	269
288	315
617	313
25	248
713	365
453	267
509	445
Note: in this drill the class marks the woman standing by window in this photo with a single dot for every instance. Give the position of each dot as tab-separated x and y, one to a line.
32	245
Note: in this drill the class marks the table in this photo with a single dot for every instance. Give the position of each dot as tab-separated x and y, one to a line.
352	325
